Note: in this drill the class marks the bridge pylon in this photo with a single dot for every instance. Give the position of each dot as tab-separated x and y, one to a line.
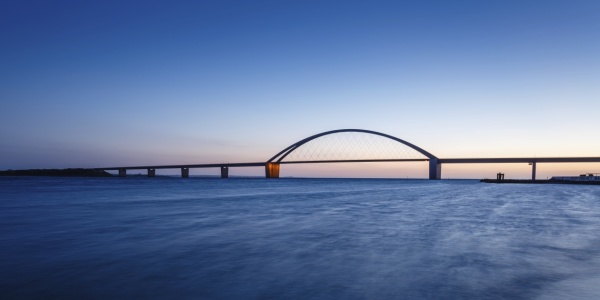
272	170
435	169
224	172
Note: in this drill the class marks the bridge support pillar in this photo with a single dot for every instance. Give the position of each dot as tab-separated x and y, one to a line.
435	169
224	172
532	170
151	172
185	172
122	172
272	170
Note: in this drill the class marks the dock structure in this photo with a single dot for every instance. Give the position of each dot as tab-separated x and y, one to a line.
583	177
541	181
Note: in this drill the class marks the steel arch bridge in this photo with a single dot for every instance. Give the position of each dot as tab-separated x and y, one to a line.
297	153
272	166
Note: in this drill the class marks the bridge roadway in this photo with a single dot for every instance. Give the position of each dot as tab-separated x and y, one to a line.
272	169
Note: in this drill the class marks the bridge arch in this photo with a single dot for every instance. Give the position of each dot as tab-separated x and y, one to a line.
273	164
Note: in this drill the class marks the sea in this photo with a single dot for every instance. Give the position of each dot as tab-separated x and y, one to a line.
296	238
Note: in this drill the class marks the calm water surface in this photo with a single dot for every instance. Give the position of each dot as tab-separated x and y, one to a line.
200	238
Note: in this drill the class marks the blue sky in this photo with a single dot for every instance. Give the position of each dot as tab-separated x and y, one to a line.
92	84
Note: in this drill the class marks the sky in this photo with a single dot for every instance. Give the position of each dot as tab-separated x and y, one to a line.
122	83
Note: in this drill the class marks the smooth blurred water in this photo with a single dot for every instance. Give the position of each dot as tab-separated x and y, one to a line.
201	238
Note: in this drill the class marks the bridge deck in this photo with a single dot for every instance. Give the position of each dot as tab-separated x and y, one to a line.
252	164
441	160
518	160
352	160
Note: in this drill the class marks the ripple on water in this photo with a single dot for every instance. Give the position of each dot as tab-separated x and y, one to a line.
297	238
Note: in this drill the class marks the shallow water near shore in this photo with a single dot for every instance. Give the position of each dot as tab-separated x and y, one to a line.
211	238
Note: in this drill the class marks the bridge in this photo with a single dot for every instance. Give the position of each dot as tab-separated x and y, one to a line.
353	146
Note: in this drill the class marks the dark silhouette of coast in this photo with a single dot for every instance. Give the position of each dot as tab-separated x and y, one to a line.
79	172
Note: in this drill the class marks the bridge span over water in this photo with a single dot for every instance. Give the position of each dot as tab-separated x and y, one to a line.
354	146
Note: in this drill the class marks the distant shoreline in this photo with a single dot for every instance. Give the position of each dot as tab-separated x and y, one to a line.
78	172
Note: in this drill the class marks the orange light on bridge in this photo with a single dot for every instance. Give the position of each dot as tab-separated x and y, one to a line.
272	170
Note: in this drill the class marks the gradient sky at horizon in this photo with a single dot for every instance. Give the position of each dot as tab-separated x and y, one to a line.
105	83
